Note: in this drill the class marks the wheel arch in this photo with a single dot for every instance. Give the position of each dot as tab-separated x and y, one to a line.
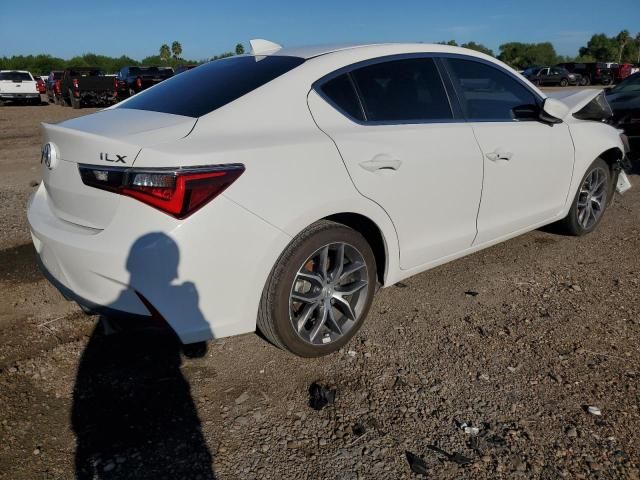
372	234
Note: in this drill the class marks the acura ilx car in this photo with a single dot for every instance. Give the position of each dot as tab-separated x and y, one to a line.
279	190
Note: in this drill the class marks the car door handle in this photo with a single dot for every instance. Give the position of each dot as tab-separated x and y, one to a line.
499	154
381	162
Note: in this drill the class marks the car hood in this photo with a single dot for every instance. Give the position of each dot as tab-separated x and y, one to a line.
576	100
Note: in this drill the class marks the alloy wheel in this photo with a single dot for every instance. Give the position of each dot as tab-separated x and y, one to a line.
328	294
592	198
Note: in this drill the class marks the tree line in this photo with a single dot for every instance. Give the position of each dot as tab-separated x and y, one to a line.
169	56
622	47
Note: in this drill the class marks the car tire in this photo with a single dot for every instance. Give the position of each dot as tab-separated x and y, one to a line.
75	102
588	196
297	274
587	81
564	82
584	81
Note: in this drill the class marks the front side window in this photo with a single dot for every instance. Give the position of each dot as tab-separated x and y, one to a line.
210	86
406	90
486	92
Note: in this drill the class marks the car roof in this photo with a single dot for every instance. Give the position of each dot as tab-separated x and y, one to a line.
312	51
14	71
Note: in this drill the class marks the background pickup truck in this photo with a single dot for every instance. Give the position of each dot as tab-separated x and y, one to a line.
132	80
18	86
87	86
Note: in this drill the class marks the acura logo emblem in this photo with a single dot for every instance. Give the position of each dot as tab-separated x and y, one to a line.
48	156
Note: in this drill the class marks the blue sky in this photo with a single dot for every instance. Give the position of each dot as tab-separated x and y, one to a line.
205	28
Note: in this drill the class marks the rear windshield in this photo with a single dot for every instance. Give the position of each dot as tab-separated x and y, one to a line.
210	86
15	76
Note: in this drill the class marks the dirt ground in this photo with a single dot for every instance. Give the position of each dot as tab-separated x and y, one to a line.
516	341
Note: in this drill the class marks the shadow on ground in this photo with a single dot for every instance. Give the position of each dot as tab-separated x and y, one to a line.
133	414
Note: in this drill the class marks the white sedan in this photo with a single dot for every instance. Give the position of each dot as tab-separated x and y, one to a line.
278	190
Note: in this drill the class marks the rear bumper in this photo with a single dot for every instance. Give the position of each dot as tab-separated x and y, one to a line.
19	96
203	275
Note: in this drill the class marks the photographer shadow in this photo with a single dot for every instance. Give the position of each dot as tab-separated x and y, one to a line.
133	414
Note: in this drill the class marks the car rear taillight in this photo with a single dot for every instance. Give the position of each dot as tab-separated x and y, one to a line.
58	87
177	192
139	82
75	83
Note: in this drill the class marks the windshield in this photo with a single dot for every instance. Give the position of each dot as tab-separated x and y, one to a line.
631	84
204	89
16	76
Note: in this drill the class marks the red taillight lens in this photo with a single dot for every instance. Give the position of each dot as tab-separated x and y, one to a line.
58	86
177	192
139	82
75	83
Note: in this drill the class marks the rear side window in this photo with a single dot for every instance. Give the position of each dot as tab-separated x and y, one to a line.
402	91
341	92
210	86
487	92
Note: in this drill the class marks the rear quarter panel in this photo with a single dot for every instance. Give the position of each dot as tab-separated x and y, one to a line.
294	174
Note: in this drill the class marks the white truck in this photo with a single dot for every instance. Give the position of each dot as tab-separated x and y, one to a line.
18	86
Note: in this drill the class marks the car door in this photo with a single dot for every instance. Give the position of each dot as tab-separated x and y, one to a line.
556	75
528	164
405	149
544	76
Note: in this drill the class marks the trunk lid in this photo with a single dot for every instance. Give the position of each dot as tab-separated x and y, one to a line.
18	86
112	138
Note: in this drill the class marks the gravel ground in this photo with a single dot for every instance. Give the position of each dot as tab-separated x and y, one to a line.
515	343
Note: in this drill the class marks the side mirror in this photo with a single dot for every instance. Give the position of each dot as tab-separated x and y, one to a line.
553	111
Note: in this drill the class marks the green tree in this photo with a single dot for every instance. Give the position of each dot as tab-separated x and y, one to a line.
451	43
239	49
176	49
165	53
478	47
623	39
523	55
637	43
601	48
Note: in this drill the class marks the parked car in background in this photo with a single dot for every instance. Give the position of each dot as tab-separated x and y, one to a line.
552	76
278	190
131	80
620	71
18	86
624	100
593	73
40	85
184	68
87	86
53	87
